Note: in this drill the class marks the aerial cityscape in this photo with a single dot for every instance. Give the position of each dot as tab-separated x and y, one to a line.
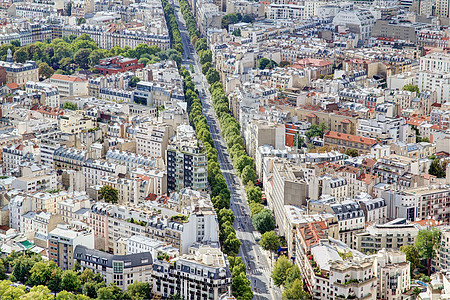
225	149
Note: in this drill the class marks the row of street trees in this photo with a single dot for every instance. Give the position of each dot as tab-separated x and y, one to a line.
45	277
172	25
220	195
219	190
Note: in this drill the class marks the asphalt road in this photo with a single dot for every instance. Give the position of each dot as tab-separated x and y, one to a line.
258	267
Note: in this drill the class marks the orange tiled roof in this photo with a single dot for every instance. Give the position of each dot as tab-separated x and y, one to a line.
350	137
13	85
67	78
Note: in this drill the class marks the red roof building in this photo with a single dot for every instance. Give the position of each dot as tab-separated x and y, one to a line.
345	141
118	64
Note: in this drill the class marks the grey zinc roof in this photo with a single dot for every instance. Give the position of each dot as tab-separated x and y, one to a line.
106	259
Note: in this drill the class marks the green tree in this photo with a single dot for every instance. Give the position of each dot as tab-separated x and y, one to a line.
70	281
265	63
412	255
247	19
41	273
206	66
144	61
45	71
20	55
427	242
15	43
254	193
81	21
109	194
225	214
38	292
105	293
22	266
205	56
139	291
2	270
231	244
255	208
411	87
9	292
280	270
264	221
133	81
436	169
416	292
70	105
248	175
81	58
351	152
295	292
176	57
201	44
269	241
95	56
284	63
316	130
68	9
236	32
212	76
292	275
229	19
241	287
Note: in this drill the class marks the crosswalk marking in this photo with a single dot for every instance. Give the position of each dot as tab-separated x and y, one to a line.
259	271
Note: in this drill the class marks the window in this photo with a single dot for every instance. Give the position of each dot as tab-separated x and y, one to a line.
118	267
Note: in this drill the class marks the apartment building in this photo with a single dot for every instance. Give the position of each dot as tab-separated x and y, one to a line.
132	160
129	190
19	73
152	139
37	225
395	169
294	130
157	93
393	273
69	158
35	183
63	240
14	155
49	94
343	141
430	201
289	188
74	207
336	187
186	162
392	235
121	270
375	209
108	36
350	216
139	243
94	170
111	222
359	22
434	75
388	130
331	274
202	273
261	132
69	85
